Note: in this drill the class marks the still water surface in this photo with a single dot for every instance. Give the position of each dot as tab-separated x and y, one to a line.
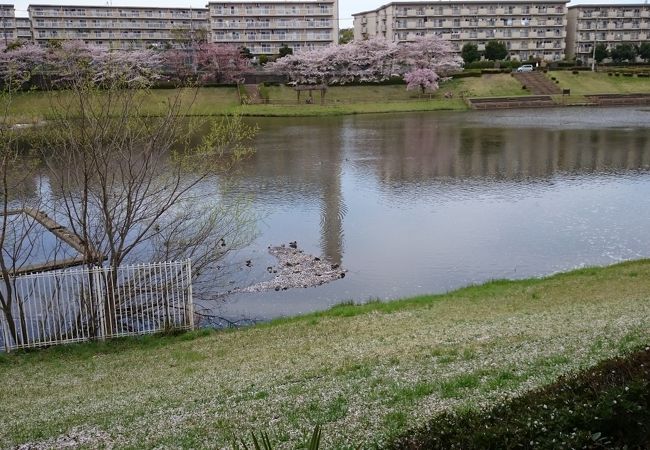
428	202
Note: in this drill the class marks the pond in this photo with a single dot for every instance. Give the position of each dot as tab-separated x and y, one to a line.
425	203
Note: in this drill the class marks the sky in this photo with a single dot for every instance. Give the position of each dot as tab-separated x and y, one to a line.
346	7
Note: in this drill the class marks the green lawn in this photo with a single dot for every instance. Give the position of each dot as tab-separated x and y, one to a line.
365	373
495	85
600	83
34	106
207	101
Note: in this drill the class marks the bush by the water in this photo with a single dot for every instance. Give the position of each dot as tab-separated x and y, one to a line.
467	75
604	407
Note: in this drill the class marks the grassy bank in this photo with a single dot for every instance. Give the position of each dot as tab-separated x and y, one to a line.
367	373
340	100
585	83
343	100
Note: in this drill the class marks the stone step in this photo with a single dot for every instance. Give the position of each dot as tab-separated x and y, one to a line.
537	83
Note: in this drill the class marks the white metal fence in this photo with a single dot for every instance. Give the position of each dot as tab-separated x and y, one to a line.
77	305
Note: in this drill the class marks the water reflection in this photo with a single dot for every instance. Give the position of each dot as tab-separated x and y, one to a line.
418	203
417	149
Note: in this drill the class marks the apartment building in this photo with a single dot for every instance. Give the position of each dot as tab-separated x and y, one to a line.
530	29
117	27
7	24
265	26
23	29
605	24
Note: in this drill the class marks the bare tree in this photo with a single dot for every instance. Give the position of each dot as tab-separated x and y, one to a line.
20	234
130	173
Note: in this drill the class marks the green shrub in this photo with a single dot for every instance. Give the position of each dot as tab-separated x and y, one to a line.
495	71
605	407
480	65
467	75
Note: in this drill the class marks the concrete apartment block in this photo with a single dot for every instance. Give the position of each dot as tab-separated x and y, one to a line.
265	26
116	26
530	29
589	25
23	29
7	24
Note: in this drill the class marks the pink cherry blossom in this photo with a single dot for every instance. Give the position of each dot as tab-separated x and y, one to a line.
423	79
426	59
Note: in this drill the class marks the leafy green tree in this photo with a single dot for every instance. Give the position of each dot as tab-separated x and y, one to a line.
245	52
623	52
346	35
470	53
263	59
601	53
285	50
644	51
496	51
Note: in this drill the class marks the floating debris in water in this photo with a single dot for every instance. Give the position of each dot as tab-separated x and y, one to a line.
296	269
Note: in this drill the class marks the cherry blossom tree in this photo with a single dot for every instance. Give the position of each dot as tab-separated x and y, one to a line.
76	61
423	79
221	63
359	61
18	64
177	64
429	52
206	62
426	59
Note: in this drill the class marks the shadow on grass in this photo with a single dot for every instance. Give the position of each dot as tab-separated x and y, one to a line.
607	406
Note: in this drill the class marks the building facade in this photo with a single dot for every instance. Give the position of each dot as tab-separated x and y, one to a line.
23	29
264	27
117	27
530	29
7	24
590	25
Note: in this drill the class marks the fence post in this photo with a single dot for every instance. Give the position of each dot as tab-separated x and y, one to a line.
102	330
190	300
5	333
